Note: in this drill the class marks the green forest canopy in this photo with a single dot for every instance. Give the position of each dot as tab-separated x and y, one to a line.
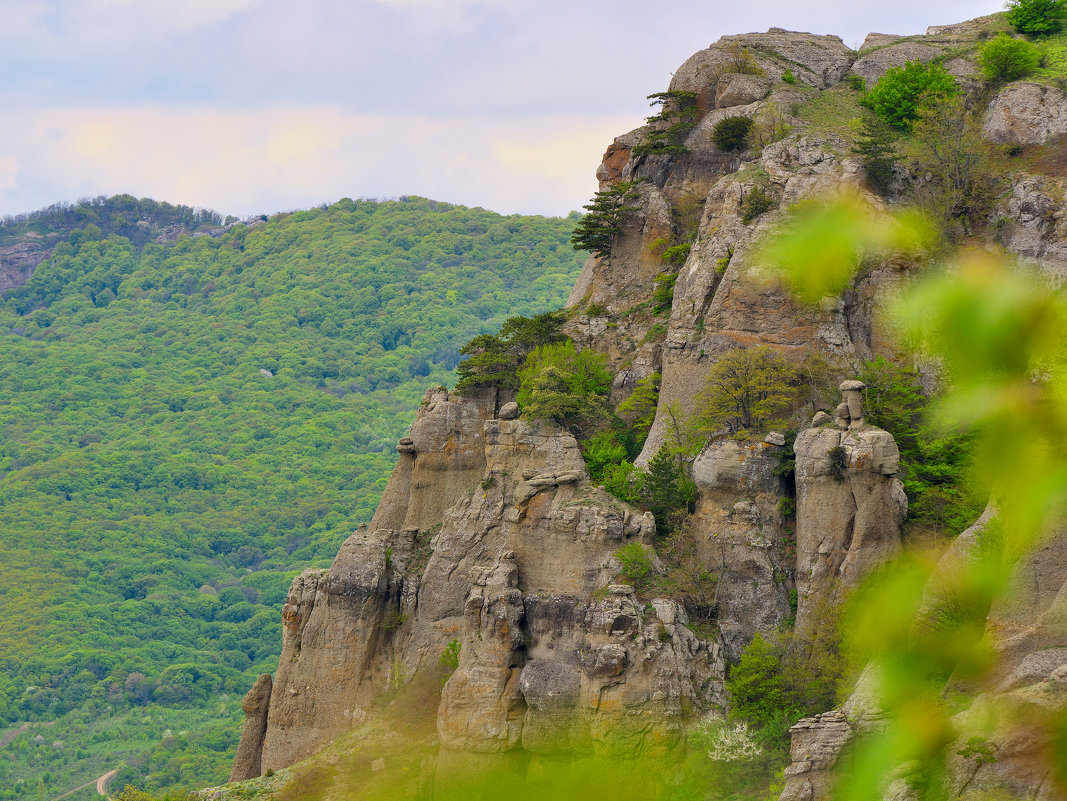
184	426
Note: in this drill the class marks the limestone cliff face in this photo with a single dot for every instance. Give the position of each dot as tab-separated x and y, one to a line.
743	538
1029	630
850	510
20	259
519	571
491	538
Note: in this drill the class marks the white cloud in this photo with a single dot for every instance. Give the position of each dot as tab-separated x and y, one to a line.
254	161
85	23
251	105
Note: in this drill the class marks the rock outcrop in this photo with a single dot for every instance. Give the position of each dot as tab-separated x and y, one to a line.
493	547
743	540
519	571
850	507
19	259
1026	114
1025	691
247	763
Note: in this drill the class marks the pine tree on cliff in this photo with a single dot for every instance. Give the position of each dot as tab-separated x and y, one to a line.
667	491
596	231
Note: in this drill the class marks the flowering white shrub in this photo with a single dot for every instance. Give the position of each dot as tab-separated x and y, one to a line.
733	744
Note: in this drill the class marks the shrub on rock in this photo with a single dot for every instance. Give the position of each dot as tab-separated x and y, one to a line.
731	134
900	94
1006	59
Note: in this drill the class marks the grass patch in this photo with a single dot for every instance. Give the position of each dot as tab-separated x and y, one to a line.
831	112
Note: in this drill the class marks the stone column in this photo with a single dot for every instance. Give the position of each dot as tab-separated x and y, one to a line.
852	395
247	763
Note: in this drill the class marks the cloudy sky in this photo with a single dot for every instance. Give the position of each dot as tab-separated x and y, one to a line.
250	106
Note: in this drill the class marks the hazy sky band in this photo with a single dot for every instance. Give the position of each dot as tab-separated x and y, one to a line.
252	106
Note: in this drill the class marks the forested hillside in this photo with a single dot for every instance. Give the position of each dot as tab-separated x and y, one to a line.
186	425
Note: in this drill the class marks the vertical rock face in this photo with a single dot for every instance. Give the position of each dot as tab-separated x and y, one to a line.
518	571
18	261
544	663
1029	684
491	535
246	764
850	506
741	536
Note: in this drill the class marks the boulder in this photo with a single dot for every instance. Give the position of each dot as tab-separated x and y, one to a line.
734	89
1026	114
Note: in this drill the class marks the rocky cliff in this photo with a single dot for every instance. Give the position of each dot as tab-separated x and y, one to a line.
493	552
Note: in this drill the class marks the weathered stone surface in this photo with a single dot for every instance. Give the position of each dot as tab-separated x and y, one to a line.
739	535
336	640
246	764
1026	114
816	745
819	61
491	534
18	261
1035	225
441	458
509	411
734	89
873	40
849	516
872	66
1029	630
481	705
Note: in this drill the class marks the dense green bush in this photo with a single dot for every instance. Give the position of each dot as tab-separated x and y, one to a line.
1038	17
636	563
663	295
1007	59
677	254
745	389
561	383
875	147
899	94
783	677
933	463
756	203
601	451
731	134
757	686
667	491
493	360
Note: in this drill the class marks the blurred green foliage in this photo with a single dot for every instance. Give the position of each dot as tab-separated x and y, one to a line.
997	333
934	462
